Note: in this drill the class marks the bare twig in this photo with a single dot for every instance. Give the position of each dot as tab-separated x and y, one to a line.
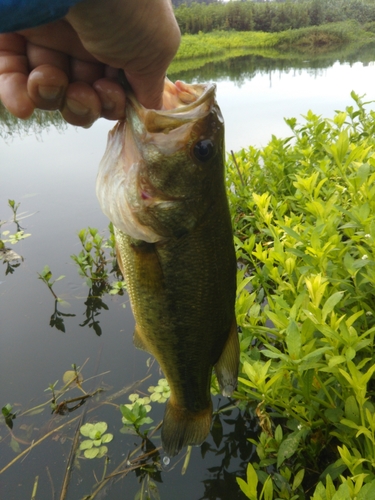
51	481
73	449
27	450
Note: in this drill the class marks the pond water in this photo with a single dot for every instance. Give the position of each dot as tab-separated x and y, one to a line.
52	175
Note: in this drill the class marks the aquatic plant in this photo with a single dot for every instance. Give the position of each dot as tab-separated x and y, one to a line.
9	256
303	211
8	415
92	260
134	414
46	276
161	392
94	446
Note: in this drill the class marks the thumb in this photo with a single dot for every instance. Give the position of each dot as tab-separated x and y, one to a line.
147	89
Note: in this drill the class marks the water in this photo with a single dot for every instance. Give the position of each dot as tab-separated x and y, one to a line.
53	177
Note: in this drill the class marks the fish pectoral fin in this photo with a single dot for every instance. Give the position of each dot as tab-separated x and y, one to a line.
182	427
226	368
138	341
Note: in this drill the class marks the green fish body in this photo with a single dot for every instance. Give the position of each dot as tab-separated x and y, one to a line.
161	183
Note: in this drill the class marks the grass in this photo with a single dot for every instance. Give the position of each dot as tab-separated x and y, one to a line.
197	50
209	44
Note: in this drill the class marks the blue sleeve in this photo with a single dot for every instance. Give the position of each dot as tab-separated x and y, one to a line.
21	14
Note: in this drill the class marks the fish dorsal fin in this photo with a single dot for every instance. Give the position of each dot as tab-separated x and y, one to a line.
226	368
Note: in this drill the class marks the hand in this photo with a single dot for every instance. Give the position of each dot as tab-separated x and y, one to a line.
72	64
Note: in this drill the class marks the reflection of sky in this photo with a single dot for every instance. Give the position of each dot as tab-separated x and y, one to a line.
255	111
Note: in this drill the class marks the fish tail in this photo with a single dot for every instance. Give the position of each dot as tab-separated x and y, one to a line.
226	368
182	427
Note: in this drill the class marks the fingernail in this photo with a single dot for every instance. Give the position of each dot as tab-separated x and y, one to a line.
49	92
77	108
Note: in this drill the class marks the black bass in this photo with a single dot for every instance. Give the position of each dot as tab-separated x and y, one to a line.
161	183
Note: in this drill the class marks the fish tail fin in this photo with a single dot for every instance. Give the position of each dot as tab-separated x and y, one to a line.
182	427
226	368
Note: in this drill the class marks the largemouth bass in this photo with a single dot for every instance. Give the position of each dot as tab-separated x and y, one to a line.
161	183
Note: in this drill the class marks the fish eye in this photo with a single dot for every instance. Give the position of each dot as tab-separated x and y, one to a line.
203	150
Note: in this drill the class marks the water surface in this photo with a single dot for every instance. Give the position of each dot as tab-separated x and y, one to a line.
53	177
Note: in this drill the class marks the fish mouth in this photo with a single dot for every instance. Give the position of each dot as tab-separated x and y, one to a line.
182	104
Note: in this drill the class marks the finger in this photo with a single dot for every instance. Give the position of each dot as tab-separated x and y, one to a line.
147	89
112	99
82	71
38	56
14	95
13	76
82	105
46	86
58	36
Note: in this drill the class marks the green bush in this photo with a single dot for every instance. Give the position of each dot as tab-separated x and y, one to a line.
303	210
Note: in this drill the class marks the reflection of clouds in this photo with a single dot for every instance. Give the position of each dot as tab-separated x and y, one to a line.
255	111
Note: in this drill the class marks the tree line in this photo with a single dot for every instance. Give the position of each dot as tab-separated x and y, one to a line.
270	16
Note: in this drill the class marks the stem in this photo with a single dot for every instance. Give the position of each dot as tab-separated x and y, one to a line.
33	495
237	167
186	461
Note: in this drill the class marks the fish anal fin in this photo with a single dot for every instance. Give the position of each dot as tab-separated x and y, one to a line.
226	368
138	341
182	427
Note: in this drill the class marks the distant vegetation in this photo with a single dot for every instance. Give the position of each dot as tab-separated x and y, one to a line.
221	45
270	16
211	43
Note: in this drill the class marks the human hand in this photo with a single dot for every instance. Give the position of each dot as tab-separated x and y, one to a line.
72	64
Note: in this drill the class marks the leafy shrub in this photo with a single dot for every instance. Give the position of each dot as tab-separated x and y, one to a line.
303	209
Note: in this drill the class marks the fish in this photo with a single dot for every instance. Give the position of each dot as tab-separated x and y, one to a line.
162	184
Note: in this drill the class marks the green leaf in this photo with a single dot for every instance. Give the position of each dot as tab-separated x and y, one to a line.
268	489
103	450
87	444
86	429
288	447
293	340
15	446
330	304
249	488
367	491
107	438
101	427
91	453
298	479
128	413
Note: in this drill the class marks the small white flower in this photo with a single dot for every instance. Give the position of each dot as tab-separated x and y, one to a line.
367	235
299	427
364	257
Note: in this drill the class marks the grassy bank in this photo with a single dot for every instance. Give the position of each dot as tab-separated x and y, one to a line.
217	43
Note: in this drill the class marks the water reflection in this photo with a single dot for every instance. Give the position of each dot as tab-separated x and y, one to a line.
10	126
246	67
